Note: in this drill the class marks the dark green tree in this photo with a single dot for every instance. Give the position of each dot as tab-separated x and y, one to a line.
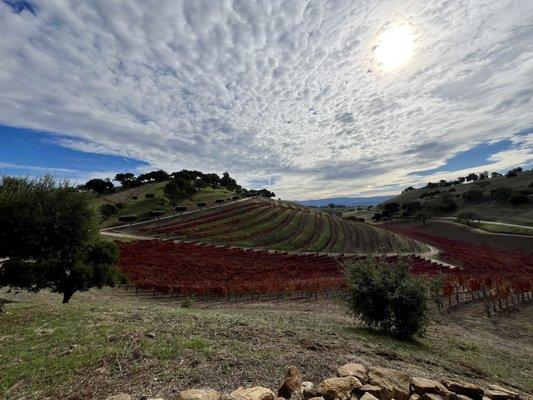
50	238
100	186
387	297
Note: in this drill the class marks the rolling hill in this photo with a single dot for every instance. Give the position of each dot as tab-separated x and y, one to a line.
260	223
483	200
141	200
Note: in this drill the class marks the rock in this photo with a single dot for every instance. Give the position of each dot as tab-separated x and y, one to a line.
292	384
463	388
120	396
199	394
338	387
423	385
352	369
308	390
431	396
150	335
372	389
463	397
316	398
496	392
395	384
414	396
254	393
368	396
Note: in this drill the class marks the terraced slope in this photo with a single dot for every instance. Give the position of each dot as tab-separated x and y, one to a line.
280	226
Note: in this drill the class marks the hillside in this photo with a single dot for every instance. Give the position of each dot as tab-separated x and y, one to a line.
135	201
487	206
277	225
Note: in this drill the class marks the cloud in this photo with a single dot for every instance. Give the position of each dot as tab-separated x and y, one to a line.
272	88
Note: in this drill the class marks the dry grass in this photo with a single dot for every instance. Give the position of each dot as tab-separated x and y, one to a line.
98	345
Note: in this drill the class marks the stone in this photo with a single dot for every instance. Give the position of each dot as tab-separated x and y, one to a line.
463	397
414	396
499	393
395	384
431	396
308	390
463	388
353	369
372	389
338	387
199	394
316	398
423	385
120	396
292	384
368	396
254	393
150	335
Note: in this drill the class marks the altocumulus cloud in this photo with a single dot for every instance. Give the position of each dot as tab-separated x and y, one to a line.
284	89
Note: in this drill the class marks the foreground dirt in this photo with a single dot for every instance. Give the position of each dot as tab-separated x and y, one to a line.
109	341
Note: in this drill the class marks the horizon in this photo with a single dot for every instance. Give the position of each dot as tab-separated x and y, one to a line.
306	99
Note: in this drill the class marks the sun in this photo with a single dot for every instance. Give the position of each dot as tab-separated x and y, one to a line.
395	47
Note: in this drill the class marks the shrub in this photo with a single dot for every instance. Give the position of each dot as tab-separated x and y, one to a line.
187	303
501	193
473	195
391	207
466	217
518	198
120	205
234	198
107	210
128	218
436	285
219	201
180	209
134	197
387	297
156	213
201	205
149	195
411	207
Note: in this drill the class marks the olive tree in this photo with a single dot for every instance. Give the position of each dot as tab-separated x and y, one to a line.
50	238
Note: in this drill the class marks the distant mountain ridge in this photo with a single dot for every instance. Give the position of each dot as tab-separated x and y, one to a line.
345	201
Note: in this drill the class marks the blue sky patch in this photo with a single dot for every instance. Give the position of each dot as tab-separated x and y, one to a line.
27	152
475	157
20	5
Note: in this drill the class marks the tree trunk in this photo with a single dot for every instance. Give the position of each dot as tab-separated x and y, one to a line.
67	294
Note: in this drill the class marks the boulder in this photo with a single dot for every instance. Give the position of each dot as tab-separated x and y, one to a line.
414	396
368	396
120	396
431	396
463	388
253	393
199	394
353	369
292	384
338	387
395	384
308	390
423	385
372	389
496	392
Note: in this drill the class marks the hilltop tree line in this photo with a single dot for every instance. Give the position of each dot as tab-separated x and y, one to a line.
472	177
184	182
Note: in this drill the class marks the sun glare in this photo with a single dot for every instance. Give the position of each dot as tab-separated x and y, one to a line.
395	47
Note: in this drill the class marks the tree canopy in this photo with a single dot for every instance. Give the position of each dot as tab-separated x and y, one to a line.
50	238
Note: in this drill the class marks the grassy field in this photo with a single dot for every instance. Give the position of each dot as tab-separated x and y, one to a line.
142	205
493	228
110	341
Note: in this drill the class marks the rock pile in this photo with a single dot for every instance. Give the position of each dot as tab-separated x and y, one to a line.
355	382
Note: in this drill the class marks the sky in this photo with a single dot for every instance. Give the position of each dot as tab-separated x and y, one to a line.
299	96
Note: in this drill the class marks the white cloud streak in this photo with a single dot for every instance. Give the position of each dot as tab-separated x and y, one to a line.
285	89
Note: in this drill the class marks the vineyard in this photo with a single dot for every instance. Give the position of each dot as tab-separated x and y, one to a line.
279	226
495	267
